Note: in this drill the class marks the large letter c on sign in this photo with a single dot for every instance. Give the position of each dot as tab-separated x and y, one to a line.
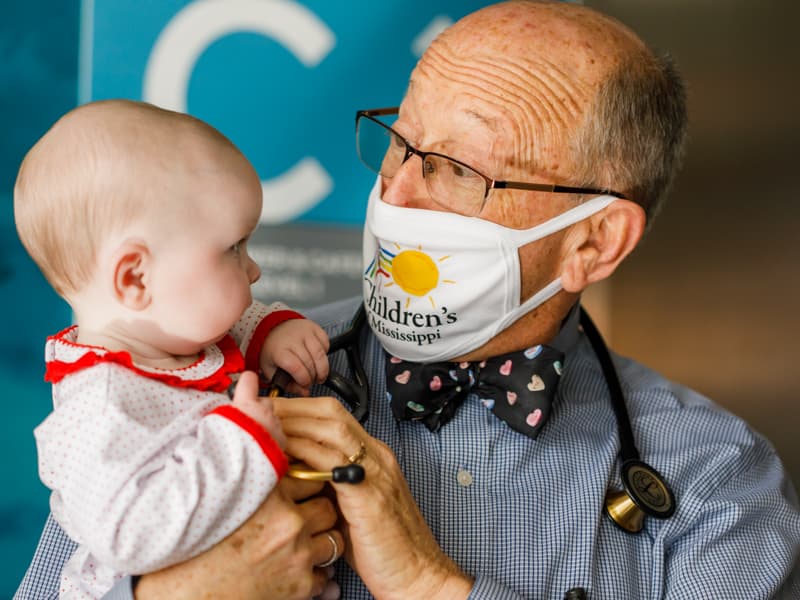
193	29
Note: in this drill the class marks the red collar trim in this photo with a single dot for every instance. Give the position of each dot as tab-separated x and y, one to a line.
221	359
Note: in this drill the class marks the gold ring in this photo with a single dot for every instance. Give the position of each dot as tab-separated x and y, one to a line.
358	456
335	548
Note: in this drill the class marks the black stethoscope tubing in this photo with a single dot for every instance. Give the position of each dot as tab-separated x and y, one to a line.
356	394
627	446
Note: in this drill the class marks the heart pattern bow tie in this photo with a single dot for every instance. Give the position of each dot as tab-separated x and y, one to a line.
518	388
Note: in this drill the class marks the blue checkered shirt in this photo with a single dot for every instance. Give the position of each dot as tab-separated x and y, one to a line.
525	517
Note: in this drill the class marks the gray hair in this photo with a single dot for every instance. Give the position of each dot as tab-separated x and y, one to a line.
634	134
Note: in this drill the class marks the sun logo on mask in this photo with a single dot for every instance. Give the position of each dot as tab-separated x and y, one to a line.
414	271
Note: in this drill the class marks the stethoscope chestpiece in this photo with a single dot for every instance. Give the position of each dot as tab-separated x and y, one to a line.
645	493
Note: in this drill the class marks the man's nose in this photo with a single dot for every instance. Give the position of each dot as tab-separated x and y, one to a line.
407	188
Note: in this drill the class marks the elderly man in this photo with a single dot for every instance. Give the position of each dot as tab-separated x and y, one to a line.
535	142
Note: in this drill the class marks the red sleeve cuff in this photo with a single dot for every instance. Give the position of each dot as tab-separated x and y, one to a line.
253	357
265	441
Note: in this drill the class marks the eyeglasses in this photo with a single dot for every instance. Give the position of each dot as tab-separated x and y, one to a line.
451	183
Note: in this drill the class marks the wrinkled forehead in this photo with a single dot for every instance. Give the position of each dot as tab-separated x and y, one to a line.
526	72
519	106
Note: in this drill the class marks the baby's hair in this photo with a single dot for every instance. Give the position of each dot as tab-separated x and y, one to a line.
95	171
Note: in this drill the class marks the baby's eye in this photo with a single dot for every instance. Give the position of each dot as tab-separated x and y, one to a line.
236	248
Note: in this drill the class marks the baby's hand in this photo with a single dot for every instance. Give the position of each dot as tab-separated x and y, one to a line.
258	408
299	347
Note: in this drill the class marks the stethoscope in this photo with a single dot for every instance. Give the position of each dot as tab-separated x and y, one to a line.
644	491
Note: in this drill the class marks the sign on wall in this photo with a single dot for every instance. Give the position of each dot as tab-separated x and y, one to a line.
282	79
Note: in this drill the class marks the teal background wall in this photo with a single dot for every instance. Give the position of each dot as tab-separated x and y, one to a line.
38	82
250	83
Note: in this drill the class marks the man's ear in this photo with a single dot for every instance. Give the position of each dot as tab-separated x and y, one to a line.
605	240
131	263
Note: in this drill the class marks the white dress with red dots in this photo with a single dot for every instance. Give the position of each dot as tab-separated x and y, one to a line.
149	467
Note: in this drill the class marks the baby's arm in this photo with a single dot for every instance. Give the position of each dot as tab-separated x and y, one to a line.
273	337
141	497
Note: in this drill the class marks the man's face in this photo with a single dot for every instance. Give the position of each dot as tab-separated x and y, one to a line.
489	116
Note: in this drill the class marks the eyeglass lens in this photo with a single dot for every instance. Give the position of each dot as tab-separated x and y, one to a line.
449	183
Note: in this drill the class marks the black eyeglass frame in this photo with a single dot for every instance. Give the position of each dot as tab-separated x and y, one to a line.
491	184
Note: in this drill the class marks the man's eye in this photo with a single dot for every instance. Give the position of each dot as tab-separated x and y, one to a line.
398	141
459	171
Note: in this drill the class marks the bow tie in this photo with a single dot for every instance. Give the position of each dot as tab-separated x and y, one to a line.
518	388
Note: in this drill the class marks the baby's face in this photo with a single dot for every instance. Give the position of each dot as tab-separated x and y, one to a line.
202	270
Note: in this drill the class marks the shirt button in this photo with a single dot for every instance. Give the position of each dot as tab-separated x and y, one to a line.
464	478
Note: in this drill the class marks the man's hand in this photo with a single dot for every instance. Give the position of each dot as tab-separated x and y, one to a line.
299	347
389	544
272	555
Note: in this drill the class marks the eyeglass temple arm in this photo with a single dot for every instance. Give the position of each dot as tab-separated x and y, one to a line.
378	112
550	187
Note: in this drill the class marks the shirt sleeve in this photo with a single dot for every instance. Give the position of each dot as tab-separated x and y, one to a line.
43	576
122	590
142	497
255	325
738	529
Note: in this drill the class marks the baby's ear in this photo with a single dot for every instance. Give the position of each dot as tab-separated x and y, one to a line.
131	264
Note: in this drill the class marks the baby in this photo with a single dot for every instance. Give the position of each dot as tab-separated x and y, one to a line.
139	218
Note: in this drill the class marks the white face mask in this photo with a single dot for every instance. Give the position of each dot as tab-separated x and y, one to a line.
438	285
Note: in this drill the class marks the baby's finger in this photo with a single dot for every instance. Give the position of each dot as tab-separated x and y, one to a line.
298	390
269	371
246	387
322	337
298	364
318	355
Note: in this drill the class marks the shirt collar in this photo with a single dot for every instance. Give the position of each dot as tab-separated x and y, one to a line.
211	372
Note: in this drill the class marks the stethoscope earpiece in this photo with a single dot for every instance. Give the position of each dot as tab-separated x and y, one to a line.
352	473
644	493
